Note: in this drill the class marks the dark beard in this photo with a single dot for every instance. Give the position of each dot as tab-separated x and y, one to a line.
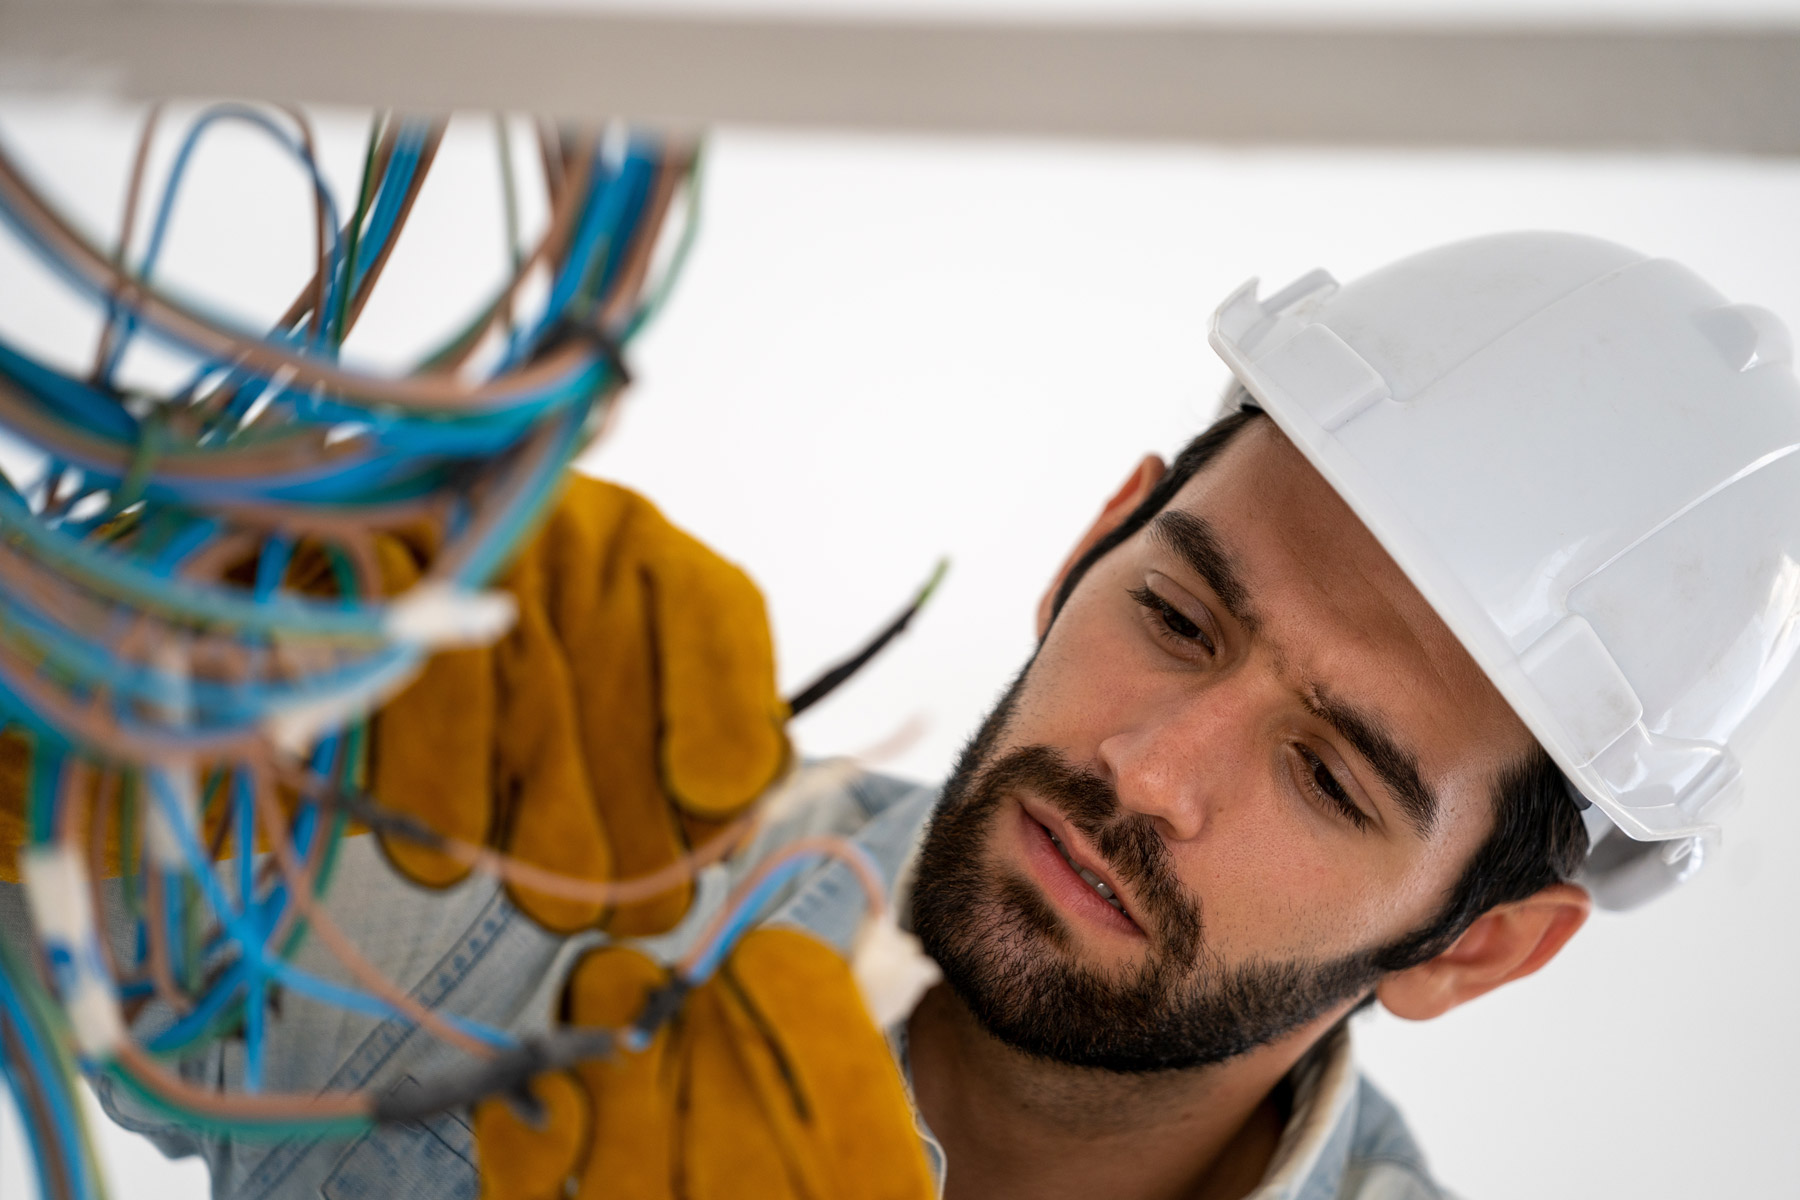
1006	952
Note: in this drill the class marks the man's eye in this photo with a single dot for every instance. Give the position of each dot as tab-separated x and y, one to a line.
1328	791
1173	621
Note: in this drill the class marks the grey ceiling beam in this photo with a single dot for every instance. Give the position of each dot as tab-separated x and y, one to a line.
1712	90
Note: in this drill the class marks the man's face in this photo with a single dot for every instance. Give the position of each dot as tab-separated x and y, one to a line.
1251	729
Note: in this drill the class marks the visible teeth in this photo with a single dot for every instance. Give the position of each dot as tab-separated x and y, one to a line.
1091	879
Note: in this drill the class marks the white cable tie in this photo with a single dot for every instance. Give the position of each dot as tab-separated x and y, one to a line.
162	845
294	730
62	913
175	707
891	968
440	615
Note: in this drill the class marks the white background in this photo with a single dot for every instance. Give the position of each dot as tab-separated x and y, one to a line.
887	350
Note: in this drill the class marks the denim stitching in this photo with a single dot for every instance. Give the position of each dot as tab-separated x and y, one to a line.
393	1033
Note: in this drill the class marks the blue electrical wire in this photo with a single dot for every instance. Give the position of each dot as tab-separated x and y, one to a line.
288	975
145	488
15	1081
256	985
208	1009
208	118
749	909
61	1105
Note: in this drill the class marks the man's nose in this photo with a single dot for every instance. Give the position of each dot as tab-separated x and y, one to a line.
1182	762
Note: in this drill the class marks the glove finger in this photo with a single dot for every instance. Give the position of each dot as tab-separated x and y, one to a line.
863	1138
734	1144
632	1147
549	818
430	753
723	719
522	1160
590	585
431	759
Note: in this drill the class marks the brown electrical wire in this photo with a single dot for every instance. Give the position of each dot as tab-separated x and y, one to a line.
561	227
321	223
827	844
101	729
156	925
344	950
540	879
533	456
130	288
667	183
304	304
140	160
71	791
358	546
550	151
309	875
427	155
384	154
437	390
278	453
55	1167
261	1106
72	606
90	720
624	891
509	200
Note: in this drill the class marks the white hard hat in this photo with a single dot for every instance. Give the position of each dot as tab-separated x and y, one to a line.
1584	460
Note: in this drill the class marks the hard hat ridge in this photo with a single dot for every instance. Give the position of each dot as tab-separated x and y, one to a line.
1583	458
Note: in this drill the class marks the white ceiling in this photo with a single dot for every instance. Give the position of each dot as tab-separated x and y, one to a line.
1508	13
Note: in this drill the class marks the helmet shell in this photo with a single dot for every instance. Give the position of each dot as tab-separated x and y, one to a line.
1584	458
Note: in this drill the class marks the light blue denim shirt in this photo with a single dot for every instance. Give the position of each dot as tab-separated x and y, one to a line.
467	950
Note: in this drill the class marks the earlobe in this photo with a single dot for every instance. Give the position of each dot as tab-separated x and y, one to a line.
1124	502
1505	943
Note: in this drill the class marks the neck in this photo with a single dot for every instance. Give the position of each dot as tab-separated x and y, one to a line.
1013	1125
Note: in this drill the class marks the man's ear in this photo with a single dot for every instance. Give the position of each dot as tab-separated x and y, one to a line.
1505	943
1137	485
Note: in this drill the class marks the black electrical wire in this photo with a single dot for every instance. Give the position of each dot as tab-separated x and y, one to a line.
835	677
508	1074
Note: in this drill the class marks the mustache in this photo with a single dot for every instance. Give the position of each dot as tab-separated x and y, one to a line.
1133	851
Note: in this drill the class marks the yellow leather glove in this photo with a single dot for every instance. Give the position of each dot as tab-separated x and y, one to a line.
771	1084
630	714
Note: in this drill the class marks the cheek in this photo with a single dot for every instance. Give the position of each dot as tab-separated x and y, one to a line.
1273	887
1270	886
1096	673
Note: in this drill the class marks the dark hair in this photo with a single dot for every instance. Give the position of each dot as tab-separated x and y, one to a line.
1538	837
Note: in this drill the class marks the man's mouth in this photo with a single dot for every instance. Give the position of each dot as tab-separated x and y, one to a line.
1062	867
1087	876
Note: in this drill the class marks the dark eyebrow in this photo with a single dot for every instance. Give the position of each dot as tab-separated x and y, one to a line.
1397	766
1193	540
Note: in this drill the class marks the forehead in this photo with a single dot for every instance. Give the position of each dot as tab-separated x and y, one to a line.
1335	611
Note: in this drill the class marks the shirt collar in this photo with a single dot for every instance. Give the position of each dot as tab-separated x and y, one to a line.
1315	1142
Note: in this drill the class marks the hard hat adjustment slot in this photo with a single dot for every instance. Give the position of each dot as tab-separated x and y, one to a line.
1318	371
1582	689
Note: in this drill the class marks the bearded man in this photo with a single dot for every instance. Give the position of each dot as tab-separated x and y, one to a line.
1448	629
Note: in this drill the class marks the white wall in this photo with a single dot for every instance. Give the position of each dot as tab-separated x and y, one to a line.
890	349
